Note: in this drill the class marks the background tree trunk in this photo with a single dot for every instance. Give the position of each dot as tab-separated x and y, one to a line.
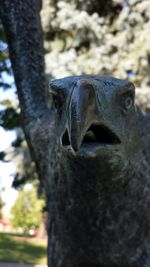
22	26
21	21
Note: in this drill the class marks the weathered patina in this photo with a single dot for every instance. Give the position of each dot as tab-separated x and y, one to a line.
91	145
99	197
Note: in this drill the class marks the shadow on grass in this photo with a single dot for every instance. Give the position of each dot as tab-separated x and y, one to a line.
21	251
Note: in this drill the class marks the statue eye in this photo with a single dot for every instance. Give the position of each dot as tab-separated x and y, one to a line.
128	103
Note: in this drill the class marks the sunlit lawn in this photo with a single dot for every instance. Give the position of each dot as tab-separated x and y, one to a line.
21	251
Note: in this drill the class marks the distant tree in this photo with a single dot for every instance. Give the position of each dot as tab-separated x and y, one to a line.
101	7
1	201
27	210
1	206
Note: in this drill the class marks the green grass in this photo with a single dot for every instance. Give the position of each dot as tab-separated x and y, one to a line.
21	251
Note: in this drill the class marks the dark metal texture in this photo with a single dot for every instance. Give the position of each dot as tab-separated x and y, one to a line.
91	148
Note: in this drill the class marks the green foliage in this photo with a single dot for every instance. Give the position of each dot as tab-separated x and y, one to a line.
1	202
27	210
91	6
14	249
1	206
9	118
3	53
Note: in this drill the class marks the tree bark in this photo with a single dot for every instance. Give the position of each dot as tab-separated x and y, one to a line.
22	26
21	21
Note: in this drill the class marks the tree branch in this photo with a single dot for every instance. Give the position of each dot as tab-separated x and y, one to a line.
21	21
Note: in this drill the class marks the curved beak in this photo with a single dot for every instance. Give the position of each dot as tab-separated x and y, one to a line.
82	112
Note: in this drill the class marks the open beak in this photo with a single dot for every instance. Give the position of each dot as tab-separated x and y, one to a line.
85	124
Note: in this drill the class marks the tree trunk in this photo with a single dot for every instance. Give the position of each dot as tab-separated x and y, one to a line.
21	21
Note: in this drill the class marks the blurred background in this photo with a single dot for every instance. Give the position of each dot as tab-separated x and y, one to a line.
107	37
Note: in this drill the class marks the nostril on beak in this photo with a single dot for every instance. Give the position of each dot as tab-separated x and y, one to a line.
65	139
